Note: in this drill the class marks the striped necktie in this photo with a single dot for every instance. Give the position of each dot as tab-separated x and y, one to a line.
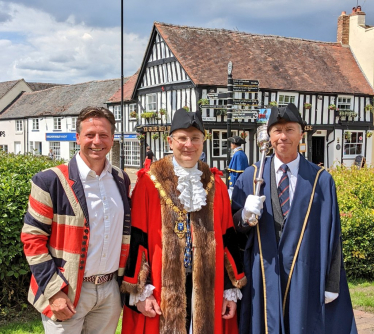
284	191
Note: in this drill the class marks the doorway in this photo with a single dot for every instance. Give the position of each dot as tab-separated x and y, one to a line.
318	150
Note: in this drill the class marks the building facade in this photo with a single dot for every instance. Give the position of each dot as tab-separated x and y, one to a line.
186	67
41	120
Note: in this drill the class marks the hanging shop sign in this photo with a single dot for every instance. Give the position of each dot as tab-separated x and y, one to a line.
156	128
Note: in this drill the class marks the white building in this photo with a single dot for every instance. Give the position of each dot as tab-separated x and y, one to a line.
39	121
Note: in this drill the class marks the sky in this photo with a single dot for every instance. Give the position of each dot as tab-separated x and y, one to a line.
74	41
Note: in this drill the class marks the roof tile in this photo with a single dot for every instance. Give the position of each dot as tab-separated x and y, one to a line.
279	63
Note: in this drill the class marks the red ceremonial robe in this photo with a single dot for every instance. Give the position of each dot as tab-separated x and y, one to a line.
156	254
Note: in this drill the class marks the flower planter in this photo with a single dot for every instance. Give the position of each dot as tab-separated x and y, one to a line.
307	105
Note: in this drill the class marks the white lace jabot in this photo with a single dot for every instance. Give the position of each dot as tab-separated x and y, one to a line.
193	195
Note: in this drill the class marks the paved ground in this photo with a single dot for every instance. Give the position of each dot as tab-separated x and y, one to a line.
365	321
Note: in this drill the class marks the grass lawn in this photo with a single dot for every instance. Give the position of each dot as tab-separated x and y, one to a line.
32	324
362	294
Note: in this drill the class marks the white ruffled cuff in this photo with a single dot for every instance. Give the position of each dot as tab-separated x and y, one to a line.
232	295
136	297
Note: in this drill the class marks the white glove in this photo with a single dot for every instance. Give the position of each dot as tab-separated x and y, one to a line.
330	296
253	205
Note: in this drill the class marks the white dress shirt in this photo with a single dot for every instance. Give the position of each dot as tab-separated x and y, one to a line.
105	211
293	170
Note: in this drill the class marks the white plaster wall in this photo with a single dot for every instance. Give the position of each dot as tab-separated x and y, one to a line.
361	41
11	135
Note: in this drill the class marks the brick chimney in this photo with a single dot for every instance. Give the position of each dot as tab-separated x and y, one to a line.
343	29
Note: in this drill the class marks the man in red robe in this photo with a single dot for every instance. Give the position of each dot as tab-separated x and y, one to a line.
184	271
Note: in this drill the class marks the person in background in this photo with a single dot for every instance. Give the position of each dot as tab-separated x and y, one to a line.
76	234
148	158
51	155
293	251
238	162
184	270
203	156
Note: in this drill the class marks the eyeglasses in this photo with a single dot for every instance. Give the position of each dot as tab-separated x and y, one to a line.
194	140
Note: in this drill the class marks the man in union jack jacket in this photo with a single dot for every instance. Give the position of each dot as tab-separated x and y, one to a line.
76	234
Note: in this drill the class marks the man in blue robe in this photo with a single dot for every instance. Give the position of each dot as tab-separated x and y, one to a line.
239	161
293	255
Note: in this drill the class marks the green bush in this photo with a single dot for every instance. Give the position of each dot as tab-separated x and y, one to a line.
16	172
355	189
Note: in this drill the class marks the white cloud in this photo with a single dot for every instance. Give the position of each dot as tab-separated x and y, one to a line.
41	49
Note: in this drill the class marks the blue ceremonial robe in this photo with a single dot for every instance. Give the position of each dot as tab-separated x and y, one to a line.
310	236
238	163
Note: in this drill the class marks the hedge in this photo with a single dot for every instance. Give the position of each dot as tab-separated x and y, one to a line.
16	172
355	188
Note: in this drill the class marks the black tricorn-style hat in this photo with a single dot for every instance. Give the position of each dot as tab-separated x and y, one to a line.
236	140
183	120
290	113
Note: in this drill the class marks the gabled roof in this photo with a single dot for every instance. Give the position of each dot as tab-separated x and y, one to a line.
6	86
62	100
128	89
279	63
35	86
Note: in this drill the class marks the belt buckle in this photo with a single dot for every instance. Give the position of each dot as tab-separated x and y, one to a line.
97	279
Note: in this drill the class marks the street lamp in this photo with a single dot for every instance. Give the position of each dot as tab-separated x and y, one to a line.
122	153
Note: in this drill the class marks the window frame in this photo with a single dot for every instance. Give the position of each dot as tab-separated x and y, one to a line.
149	104
56	149
222	142
19	125
340	104
35	124
353	142
293	99
117	112
4	148
57	123
74	123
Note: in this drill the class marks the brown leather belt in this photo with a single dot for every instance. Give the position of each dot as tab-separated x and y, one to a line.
99	279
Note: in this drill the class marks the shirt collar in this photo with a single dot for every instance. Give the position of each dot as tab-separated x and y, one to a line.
86	172
176	164
236	149
293	165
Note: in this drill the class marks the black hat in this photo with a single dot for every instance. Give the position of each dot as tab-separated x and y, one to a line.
183	120
237	140
290	113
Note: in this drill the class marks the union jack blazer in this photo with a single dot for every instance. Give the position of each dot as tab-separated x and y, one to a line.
56	233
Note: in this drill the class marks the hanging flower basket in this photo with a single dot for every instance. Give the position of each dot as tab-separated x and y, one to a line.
140	137
165	136
369	107
307	105
347	135
208	135
162	112
133	114
273	103
369	134
203	102
155	136
243	135
186	108
332	107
